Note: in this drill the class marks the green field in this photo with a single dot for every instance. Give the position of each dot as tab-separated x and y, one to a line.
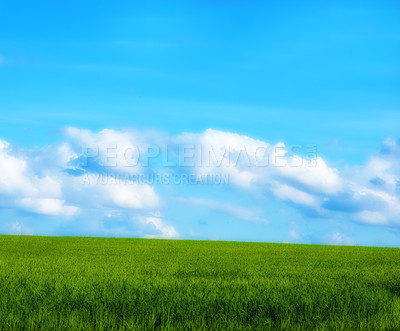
143	284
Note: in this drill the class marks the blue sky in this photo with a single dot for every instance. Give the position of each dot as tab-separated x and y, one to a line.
232	74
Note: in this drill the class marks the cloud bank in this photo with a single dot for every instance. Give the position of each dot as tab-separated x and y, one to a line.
94	175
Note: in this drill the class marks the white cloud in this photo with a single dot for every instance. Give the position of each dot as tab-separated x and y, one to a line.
159	229
128	194
379	208
36	181
53	207
79	175
317	176
107	190
17	179
122	223
117	151
13	178
134	196
228	153
370	193
248	163
371	217
286	192
251	164
53	193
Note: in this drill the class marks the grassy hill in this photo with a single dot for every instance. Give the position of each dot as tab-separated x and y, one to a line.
143	284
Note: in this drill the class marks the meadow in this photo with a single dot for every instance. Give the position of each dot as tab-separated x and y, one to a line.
75	283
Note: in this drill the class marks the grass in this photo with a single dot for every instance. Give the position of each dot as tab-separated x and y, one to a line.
142	284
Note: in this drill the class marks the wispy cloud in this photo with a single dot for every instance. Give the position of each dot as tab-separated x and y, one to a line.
231	209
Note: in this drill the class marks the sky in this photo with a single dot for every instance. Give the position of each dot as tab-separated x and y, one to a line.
272	121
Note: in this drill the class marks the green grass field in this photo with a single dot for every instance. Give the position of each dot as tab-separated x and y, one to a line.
142	284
